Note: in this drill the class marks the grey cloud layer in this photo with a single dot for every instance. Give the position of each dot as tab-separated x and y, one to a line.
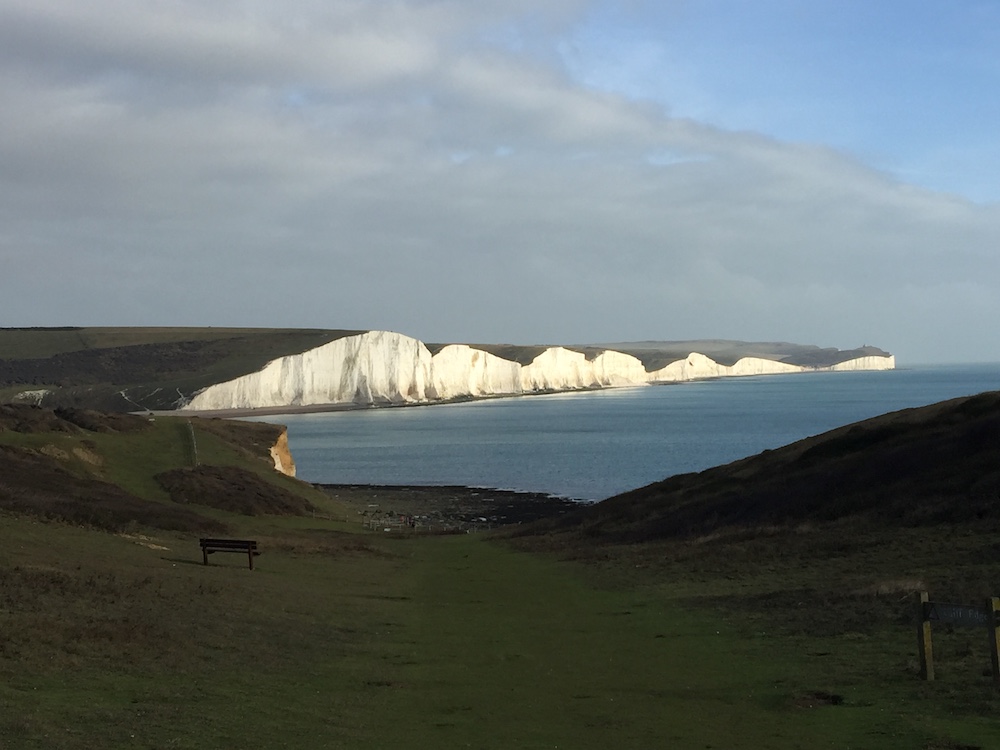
409	166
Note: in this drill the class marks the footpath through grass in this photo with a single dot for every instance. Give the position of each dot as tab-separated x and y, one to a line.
508	651
347	641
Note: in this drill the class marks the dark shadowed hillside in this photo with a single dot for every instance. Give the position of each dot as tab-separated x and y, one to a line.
932	465
131	369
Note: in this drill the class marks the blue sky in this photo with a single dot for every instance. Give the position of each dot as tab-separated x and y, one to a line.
508	171
905	87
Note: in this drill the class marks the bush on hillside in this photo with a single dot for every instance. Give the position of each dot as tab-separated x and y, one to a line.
232	489
34	484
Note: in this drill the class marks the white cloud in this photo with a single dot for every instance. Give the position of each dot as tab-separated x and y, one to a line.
425	167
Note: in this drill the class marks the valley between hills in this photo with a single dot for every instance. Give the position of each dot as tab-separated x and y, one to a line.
767	603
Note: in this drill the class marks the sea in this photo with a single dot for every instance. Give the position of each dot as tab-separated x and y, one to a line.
594	444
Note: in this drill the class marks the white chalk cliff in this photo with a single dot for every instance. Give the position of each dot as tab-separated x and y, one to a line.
381	367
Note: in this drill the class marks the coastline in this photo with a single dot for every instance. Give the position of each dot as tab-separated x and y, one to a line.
266	411
448	506
384	367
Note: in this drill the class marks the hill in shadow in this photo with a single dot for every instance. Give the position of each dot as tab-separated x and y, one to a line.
938	464
37	484
233	489
131	369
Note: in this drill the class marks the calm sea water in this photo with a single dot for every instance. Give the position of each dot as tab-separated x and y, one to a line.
595	444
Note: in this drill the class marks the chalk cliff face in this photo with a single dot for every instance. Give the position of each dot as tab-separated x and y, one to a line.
865	363
282	456
377	367
459	370
381	367
560	369
698	367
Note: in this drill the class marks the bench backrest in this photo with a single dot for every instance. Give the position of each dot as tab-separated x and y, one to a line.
229	543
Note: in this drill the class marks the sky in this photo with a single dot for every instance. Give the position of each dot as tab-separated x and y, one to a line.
568	172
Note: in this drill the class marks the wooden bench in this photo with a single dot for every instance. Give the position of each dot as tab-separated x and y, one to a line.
249	546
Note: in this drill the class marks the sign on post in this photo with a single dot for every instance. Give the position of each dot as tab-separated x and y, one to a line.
957	615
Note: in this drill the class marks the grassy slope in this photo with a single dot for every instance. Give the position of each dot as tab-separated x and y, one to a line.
85	467
822	545
40	343
932	465
740	638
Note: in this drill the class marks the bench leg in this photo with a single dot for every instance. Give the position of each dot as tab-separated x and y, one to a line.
250	555
204	555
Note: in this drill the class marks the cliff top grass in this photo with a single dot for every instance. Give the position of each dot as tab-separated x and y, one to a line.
41	343
117	472
132	369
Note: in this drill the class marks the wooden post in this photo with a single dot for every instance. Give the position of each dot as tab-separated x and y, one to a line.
924	646
993	630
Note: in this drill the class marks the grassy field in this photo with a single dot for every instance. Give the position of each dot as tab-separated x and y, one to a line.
369	641
113	633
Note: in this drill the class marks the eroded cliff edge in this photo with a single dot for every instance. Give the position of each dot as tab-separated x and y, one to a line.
383	367
281	454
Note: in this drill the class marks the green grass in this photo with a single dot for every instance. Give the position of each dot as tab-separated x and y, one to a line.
105	638
511	651
133	460
367	641
837	604
751	636
131	453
